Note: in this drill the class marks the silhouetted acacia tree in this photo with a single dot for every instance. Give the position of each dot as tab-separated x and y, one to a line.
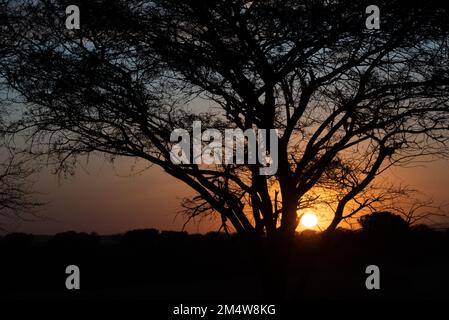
384	224
348	102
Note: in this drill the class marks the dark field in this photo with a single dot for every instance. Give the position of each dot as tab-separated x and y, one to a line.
148	264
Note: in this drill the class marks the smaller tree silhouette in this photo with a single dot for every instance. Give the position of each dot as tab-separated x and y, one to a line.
17	198
16	169
385	224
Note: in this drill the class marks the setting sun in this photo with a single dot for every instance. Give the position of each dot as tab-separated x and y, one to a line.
309	220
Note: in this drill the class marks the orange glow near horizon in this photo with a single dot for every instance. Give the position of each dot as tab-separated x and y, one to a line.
108	199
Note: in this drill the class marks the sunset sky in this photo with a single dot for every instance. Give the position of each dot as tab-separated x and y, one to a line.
106	200
112	198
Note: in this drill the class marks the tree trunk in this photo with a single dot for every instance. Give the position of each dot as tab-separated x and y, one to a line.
334	224
289	220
